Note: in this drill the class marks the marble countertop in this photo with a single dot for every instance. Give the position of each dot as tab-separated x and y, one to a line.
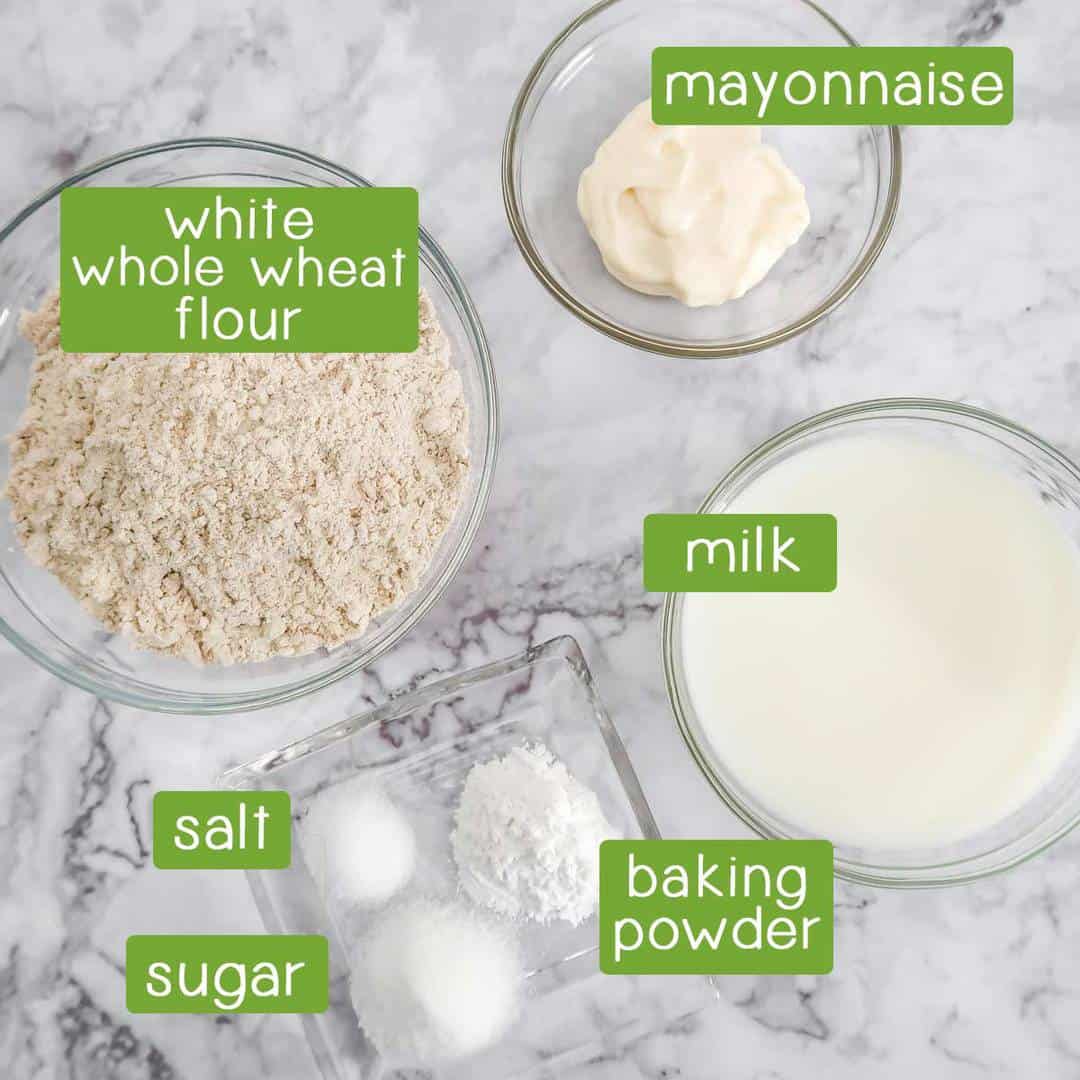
975	299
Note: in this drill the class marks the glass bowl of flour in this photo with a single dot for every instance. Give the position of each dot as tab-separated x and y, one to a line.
587	83
924	716
347	613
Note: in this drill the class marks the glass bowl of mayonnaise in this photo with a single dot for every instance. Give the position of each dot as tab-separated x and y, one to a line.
713	240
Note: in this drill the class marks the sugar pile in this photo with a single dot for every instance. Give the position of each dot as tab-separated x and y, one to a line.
527	837
434	981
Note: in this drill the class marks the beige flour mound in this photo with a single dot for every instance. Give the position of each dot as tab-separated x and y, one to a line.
229	508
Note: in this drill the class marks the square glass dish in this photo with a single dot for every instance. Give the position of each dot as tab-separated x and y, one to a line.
418	748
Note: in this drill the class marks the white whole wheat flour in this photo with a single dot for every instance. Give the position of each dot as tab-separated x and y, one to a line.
527	838
229	508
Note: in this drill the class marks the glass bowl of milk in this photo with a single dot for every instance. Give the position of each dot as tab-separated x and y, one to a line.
924	716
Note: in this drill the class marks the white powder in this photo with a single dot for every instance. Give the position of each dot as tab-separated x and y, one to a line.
431	982
527	837
230	508
359	847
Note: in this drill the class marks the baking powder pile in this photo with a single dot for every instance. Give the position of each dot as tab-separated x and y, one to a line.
527	838
229	508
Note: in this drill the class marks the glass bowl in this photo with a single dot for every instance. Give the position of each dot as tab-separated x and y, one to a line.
418	748
41	618
590	77
1046	816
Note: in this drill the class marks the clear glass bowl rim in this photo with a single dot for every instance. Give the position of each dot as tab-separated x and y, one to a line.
665	346
958	871
197	703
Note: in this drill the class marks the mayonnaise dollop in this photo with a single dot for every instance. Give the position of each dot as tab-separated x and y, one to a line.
699	213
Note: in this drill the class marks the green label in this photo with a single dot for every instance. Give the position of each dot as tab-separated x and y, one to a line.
222	830
239	269
223	973
716	907
832	85
740	553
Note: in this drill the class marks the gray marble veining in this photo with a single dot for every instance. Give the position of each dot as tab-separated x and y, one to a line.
975	299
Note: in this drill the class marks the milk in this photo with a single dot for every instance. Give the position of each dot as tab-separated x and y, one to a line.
936	689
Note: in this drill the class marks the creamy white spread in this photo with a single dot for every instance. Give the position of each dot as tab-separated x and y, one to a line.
700	213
